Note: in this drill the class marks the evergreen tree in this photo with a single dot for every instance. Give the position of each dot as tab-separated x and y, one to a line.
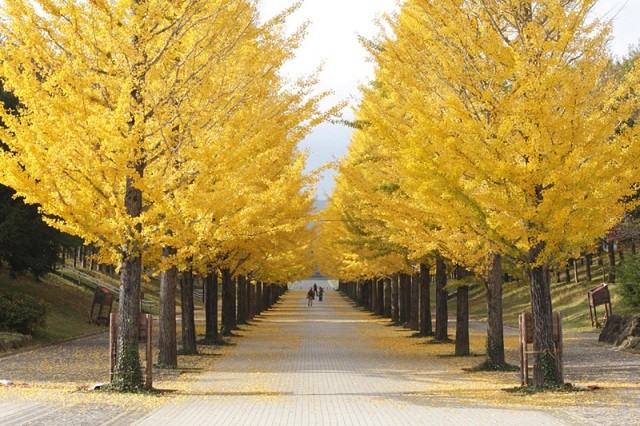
27	244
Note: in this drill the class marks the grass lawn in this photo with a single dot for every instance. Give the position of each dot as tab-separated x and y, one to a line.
568	298
69	306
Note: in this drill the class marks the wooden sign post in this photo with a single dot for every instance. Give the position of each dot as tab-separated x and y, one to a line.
103	300
145	333
526	337
599	295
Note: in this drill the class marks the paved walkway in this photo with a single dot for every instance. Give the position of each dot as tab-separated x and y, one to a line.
319	365
326	364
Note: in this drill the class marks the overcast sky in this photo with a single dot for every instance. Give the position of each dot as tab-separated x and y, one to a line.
333	40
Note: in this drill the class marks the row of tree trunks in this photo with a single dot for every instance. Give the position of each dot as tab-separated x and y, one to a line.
84	256
403	298
241	302
570	270
401	302
406	300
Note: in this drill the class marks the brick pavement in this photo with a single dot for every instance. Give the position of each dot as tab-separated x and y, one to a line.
317	365
325	364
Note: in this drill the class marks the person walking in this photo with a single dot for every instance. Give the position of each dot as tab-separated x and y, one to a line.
315	288
320	293
310	297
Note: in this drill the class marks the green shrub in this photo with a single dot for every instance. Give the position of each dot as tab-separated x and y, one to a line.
629	286
22	313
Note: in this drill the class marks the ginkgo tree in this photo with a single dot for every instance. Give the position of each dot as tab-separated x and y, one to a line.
429	210
88	133
111	140
353	242
245	179
513	119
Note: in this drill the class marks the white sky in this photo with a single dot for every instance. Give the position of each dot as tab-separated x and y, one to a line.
333	40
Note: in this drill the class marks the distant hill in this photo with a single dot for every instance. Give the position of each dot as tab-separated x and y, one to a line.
319	205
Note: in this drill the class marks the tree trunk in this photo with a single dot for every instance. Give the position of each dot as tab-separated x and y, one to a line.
188	321
211	308
251	297
495	325
233	308
258	301
575	271
415	302
612	262
365	295
403	308
374	294
395	305
83	256
442	312
380	297
426	326
600	261
545	368
128	371
364	286
387	298
226	326
167	333
588	262
407	298
266	296
242	300
462	321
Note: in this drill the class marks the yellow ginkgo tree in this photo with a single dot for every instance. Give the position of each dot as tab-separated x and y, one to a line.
516	137
124	108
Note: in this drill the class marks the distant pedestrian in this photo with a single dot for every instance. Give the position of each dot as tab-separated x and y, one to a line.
320	293
315	288
310	297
